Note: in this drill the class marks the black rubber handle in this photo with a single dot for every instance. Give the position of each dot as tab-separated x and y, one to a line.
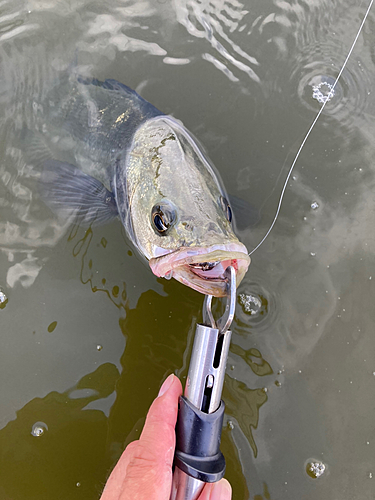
198	436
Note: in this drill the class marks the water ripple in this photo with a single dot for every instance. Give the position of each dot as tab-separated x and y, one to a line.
316	39
28	68
352	91
109	29
212	21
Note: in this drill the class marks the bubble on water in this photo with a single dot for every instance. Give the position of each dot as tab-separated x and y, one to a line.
230	425
315	469
78	485
314	205
277	383
99	347
38	429
3	299
251	304
323	92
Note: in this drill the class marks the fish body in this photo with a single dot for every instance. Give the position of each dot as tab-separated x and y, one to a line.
166	192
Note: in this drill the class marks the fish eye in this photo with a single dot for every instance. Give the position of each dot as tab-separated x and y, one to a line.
226	207
163	216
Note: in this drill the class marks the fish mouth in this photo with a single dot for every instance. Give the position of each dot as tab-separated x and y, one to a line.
203	268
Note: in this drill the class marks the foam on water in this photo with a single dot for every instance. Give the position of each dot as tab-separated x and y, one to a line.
320	92
257	308
315	468
251	304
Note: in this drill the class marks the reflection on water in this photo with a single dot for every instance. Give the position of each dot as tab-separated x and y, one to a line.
259	366
245	403
70	445
87	274
83	312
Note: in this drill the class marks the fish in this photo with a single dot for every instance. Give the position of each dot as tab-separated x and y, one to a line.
146	168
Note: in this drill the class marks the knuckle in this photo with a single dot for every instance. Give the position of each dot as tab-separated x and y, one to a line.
143	458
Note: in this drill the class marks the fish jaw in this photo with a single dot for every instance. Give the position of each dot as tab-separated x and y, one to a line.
203	268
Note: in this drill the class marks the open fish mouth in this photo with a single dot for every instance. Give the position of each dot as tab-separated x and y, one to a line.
203	269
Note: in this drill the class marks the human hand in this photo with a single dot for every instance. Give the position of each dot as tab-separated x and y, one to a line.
144	471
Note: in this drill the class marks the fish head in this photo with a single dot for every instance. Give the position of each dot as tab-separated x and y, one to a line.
176	211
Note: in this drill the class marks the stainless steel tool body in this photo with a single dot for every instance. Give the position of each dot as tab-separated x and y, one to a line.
198	432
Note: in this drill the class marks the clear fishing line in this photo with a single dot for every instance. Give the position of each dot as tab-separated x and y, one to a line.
318	95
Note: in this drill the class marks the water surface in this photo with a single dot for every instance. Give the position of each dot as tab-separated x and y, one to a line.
89	334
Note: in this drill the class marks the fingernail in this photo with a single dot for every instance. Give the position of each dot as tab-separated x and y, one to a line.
221	491
166	385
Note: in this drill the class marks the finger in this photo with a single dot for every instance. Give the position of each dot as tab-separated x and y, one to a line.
149	473
158	434
150	458
221	490
115	481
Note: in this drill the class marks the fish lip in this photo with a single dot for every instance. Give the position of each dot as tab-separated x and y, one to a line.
182	265
162	264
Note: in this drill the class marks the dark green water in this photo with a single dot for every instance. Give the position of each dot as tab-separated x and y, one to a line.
89	333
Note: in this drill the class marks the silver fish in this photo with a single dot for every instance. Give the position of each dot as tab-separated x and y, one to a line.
164	189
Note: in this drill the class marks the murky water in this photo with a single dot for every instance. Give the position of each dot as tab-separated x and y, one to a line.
88	333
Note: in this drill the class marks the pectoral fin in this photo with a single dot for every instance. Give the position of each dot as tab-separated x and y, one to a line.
72	194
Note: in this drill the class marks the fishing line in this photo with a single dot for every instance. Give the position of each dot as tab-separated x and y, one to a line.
329	95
